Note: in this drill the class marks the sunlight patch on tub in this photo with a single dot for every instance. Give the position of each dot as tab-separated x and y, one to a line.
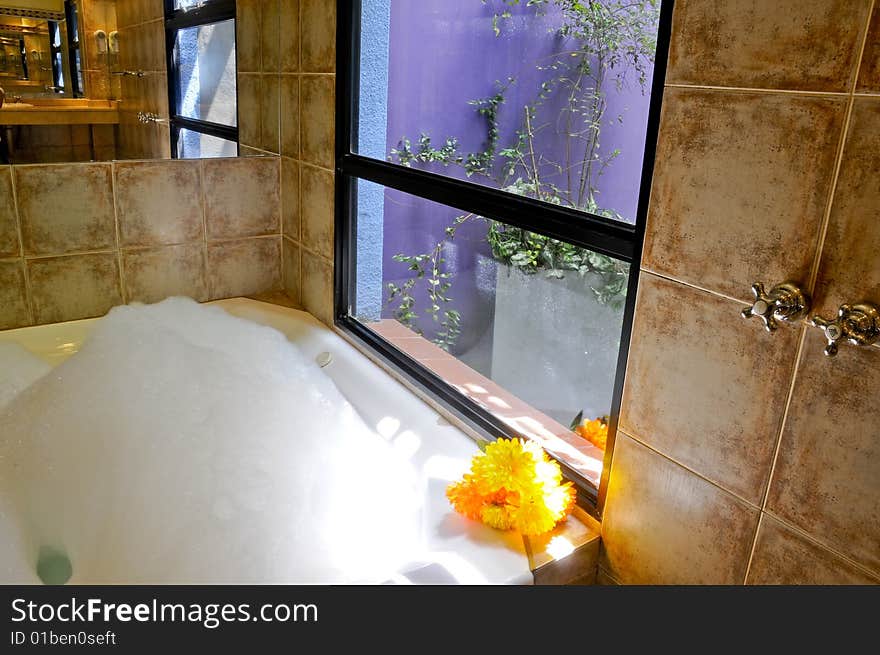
442	467
388	427
407	443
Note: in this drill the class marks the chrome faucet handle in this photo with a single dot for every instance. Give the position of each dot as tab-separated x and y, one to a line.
857	324
785	302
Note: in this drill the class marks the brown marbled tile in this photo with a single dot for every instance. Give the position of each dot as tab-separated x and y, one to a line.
290	115
9	246
153	274
270	101
74	287
317	287
14	311
850	267
317	104
741	186
706	387
290	205
65	208
248	43
869	72
249	109
664	525
826	479
318	34
245	267
270	30
317	210
289	16
784	557
290	270
159	203
242	196
806	45
603	578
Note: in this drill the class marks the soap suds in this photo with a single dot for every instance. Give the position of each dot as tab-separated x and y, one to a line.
183	445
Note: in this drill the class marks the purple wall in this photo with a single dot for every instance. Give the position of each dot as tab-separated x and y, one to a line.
442	54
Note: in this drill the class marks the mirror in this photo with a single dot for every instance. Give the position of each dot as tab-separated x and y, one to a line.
93	80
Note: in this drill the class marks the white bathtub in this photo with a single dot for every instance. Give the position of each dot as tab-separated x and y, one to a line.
453	549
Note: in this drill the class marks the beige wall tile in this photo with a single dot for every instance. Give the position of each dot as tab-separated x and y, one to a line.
664	525
317	210
159	203
249	109
869	73
826	478
270	99
849	271
290	270
9	246
317	119
154	274
66	208
290	206
14	311
784	557
741	187
317	287
604	579
248	40
706	387
242	196
243	268
289	16
318	34
290	115
269	35
70	288
787	44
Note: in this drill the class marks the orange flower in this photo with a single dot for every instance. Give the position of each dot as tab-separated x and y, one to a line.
465	498
596	432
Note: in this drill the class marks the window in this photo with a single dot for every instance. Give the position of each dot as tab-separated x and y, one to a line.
77	83
200	44
494	161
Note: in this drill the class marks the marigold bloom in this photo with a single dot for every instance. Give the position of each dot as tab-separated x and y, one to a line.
595	431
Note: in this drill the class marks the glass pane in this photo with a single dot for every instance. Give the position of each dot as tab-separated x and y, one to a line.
546	99
527	326
207	89
195	145
187	4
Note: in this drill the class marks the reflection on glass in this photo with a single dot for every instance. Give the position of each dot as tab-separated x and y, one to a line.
545	99
527	326
195	145
207	80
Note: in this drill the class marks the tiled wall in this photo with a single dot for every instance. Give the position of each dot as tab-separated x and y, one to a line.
259	82
77	239
746	456
308	63
98	15
142	48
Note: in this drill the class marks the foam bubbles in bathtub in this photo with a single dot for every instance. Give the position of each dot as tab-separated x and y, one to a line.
182	445
18	370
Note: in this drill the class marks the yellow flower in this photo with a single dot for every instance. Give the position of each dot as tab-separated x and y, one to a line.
596	432
513	484
506	464
465	498
499	517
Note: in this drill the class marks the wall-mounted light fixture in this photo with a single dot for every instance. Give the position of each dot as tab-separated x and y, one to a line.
114	42
101	42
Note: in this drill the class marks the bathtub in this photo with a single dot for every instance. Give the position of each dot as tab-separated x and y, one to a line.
454	550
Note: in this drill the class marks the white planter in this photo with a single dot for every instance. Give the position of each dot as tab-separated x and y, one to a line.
554	345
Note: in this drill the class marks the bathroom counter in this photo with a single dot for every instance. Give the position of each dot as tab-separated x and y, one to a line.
40	111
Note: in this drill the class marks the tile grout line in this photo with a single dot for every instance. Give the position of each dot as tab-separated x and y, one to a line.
814	271
690	285
744	89
752	549
628	433
778	446
841	146
203	204
123	291
831	549
29	299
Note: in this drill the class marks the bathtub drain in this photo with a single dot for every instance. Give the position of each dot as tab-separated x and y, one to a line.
53	566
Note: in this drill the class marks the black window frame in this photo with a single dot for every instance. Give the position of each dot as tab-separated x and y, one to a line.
211	11
74	52
597	233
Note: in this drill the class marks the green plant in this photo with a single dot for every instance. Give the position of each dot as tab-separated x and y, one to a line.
608	42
